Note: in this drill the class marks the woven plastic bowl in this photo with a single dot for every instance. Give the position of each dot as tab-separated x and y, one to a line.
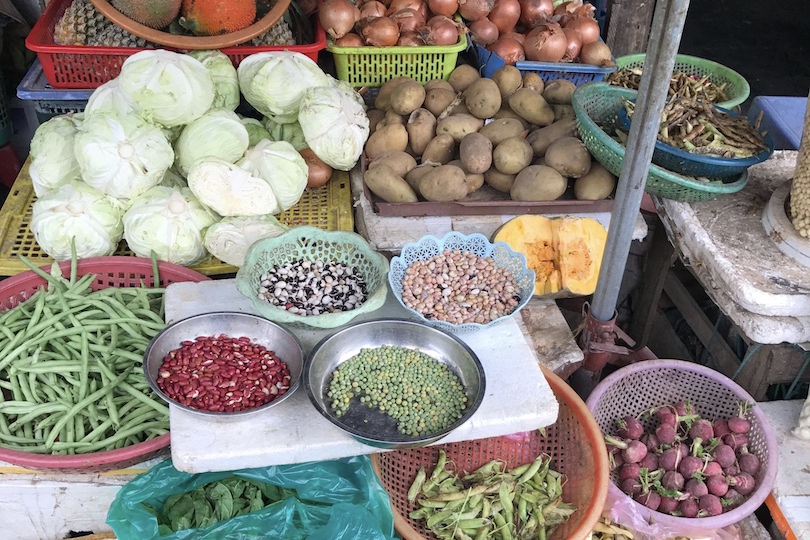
430	246
597	107
642	386
574	443
111	272
313	244
736	87
690	164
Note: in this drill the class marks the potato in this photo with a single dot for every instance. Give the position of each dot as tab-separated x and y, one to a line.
459	108
383	99
438	83
506	112
391	117
559	91
508	79
421	129
443	184
596	185
561	112
533	81
459	125
538	183
415	176
569	156
474	180
386	138
440	149
387	185
400	162
541	138
407	96
475	151
501	129
462	77
483	98
512	155
438	99
375	116
531	106
498	180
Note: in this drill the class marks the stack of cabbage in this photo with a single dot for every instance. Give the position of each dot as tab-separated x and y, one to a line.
160	158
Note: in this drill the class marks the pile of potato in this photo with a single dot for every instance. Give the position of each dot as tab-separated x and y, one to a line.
442	141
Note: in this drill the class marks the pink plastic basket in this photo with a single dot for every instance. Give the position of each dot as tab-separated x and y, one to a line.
642	386
111	272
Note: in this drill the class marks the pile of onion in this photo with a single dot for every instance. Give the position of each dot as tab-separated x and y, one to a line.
534	30
387	23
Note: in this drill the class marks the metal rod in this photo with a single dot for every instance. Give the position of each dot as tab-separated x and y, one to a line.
665	37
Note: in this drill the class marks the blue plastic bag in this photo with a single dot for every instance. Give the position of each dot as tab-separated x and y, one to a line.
336	499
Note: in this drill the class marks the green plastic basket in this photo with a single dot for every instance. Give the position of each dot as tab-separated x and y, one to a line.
597	107
372	66
314	244
736	88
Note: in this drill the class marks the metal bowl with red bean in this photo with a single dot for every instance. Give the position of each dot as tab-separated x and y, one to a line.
224	364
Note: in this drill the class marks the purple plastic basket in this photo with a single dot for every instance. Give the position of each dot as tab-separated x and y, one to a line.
642	386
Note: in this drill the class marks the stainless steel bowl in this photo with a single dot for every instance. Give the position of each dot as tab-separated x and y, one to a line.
233	324
373	427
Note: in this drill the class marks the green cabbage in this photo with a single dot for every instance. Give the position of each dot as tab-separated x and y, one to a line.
109	99
169	221
167	88
282	167
256	130
218	133
274	82
173	180
226	84
81	212
230	239
121	155
292	133
231	190
53	162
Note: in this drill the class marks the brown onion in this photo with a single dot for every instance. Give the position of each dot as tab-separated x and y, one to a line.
586	27
596	53
517	36
381	32
318	172
574	45
534	12
563	8
505	15
447	8
509	49
372	9
546	43
350	40
417	5
410	39
338	17
484	31
409	20
475	10
441	30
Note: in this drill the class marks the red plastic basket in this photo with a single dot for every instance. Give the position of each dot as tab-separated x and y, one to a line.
111	272
79	66
574	443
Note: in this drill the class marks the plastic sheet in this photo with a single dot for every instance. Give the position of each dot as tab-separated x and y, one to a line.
336	499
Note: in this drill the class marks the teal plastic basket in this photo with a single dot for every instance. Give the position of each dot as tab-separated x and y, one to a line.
597	107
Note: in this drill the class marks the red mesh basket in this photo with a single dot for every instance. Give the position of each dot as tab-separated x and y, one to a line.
574	443
111	272
80	66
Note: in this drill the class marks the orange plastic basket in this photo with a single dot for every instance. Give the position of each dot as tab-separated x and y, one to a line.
574	443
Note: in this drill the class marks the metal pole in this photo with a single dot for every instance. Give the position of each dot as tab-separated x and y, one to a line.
665	37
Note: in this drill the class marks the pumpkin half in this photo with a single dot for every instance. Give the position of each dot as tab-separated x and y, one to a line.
565	253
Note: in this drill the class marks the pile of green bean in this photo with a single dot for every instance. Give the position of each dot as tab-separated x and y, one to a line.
491	502
418	391
71	378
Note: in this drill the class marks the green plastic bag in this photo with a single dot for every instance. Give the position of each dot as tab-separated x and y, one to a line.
336	499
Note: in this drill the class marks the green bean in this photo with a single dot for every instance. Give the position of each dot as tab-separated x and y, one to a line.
120	436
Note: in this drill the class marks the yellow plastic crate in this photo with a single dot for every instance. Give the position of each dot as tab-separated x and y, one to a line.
328	207
372	66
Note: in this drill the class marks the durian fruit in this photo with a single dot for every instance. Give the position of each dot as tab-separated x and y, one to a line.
216	17
115	36
80	23
151	13
278	34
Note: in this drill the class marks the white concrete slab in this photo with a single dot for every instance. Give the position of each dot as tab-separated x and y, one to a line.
518	397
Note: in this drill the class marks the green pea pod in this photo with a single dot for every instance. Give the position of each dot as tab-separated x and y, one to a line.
416	487
438	517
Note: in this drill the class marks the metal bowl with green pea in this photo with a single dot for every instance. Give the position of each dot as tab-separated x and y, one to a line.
393	383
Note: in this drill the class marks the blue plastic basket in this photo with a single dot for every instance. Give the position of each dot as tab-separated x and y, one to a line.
683	162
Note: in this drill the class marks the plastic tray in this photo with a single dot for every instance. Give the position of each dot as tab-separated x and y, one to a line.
328	207
79	66
574	443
